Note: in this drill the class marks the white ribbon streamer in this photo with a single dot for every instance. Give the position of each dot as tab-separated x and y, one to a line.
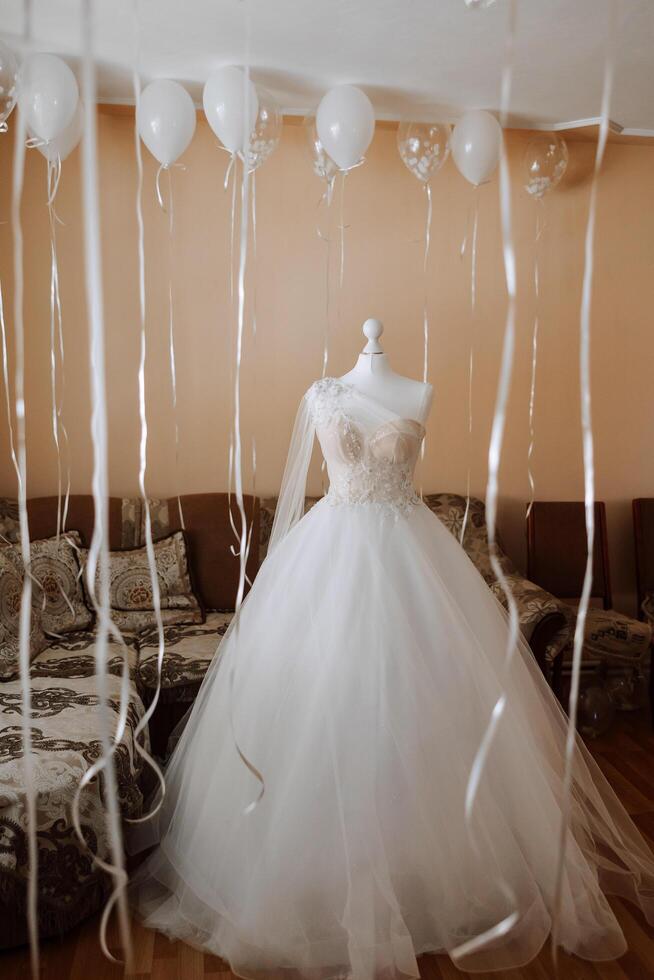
98	559
59	431
5	378
25	621
326	198
589	467
425	310
170	211
540	227
503	927
238	472
471	349
143	465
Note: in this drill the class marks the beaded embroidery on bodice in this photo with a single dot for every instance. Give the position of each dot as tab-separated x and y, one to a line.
369	461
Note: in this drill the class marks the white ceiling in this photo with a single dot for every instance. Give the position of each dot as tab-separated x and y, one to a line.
415	58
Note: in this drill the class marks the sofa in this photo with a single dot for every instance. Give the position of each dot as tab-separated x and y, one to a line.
65	704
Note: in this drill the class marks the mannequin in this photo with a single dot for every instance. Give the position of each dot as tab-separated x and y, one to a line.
373	375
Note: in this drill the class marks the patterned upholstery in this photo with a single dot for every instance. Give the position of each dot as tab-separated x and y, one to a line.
612	636
130	585
12	577
133	520
57	579
65	744
188	651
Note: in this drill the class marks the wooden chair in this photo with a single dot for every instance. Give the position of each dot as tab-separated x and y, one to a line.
556	560
643	514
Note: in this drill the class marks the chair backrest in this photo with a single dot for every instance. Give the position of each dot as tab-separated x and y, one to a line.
643	511
556	549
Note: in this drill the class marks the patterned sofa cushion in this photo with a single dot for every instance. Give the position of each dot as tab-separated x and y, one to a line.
65	744
57	574
130	586
133	520
188	652
11	590
612	636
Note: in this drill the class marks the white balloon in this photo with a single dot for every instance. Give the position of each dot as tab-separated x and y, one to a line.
345	121
166	120
224	106
63	144
48	95
475	145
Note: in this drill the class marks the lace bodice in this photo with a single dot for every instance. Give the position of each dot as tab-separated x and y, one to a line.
370	453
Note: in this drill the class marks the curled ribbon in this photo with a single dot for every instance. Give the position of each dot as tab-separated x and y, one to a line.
504	926
98	559
59	431
589	469
5	378
25	616
169	210
425	307
471	349
540	227
143	462
244	539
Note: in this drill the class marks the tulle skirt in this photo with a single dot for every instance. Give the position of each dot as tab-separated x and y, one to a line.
358	682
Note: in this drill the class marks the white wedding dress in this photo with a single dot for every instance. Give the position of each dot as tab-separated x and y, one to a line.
358	682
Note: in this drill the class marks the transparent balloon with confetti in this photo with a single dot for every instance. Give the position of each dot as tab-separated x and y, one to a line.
267	130
546	161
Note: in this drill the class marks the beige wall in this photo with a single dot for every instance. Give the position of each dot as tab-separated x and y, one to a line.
384	214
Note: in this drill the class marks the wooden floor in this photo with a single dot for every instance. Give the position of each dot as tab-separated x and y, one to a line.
626	755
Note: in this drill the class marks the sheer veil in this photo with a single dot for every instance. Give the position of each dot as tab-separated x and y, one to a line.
290	506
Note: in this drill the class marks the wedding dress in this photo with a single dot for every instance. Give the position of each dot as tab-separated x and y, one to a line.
358	682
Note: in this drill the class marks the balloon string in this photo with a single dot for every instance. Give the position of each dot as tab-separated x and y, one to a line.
254	341
471	353
534	356
59	431
425	264
143	463
234	549
494	455
589	467
171	334
230	169
25	618
238	474
5	378
98	558
327	197
341	274
157	183
425	307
